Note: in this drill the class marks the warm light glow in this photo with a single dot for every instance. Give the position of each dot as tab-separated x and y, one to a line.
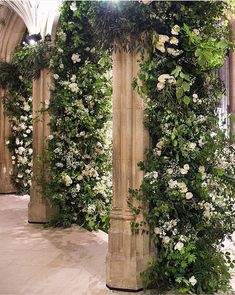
32	42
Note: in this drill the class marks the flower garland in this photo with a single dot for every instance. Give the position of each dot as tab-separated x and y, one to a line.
17	103
187	184
79	146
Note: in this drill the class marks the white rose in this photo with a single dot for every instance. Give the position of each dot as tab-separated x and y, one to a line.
160	86
192	281
160	46
163	38
174	41
166	240
196	31
175	30
201	169
182	187
179	246
189	196
157	230
50	137
163	78
183	171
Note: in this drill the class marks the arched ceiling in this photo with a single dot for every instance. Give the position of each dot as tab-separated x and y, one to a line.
40	16
12	29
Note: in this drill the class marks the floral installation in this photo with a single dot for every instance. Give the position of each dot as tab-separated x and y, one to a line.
79	147
189	170
17	103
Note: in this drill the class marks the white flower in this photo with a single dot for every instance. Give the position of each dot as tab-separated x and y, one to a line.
183	171
192	145
61	66
21	149
163	78
172	183
30	151
50	137
201	169
160	144
73	78
174	52
166	240
160	46
157	230
196	31
60	165
73	87
7	142
163	38
26	107
188	196
175	30
182	187
56	77
73	6
78	187
160	86
195	97
174	41
169	171
76	58
186	166
192	281
20	175
67	179
179	246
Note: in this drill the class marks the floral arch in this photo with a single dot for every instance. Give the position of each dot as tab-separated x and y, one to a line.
187	190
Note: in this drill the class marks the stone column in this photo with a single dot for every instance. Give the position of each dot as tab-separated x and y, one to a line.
6	185
232	79
128	254
39	209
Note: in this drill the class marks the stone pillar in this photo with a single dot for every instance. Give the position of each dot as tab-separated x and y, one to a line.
6	168
232	79
39	209
128	254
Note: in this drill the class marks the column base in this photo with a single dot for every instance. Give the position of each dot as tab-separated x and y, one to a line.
40	212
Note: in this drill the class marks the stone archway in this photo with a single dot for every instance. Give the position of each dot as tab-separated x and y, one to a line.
12	29
128	254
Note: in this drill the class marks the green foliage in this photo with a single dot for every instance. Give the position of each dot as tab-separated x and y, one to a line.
186	183
31	59
17	103
79	147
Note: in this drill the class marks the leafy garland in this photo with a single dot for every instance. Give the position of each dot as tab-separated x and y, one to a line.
187	184
79	147
17	103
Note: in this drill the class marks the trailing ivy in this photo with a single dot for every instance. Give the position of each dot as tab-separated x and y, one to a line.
79	146
187	184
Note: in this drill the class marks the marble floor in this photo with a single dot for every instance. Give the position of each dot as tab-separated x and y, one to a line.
34	260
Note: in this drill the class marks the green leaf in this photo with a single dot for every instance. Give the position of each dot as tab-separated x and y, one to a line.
186	100
186	86
179	92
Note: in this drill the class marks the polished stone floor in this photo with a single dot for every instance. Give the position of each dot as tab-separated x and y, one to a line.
34	260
